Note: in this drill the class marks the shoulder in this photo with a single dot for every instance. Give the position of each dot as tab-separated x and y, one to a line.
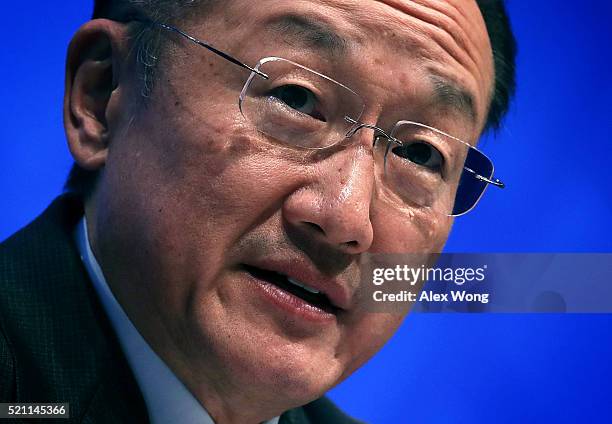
41	242
56	344
40	272
37	256
24	259
36	265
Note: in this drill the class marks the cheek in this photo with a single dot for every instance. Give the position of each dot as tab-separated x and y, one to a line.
206	182
408	230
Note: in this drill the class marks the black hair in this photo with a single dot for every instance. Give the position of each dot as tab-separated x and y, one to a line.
504	49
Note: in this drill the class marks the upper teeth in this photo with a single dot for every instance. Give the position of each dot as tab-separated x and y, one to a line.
302	285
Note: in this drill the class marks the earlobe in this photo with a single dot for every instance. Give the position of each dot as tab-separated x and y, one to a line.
91	82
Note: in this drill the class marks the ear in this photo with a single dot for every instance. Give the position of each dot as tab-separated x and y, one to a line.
96	56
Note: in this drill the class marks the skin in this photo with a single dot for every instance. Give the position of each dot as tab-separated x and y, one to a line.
188	191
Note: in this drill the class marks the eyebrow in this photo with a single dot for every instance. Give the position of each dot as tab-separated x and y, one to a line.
309	33
448	94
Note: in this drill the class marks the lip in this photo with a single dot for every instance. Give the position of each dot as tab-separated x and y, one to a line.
336	290
290	304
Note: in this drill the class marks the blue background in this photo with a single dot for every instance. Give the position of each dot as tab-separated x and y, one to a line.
554	154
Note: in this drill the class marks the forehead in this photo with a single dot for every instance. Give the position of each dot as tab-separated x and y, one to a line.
442	42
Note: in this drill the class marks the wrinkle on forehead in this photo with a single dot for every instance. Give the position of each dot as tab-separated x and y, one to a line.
447	16
463	24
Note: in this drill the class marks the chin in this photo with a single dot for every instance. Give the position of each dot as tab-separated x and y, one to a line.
282	372
298	381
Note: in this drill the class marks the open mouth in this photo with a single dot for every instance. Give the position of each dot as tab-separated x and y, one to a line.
294	287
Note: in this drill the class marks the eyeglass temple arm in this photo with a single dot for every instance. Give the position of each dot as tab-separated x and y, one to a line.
495	182
206	46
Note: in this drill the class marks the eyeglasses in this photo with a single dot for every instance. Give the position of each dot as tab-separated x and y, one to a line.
296	106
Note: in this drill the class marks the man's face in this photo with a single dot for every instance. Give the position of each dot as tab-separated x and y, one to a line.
197	213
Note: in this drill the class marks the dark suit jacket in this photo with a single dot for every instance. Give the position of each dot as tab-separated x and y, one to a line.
56	343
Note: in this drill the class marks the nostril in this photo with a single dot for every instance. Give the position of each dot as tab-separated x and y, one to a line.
346	246
315	227
351	244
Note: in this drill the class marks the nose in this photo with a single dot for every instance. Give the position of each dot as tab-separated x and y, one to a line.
333	207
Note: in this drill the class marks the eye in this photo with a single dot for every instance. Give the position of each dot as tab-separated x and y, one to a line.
420	153
299	98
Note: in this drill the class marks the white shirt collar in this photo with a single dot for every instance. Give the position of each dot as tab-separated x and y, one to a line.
166	397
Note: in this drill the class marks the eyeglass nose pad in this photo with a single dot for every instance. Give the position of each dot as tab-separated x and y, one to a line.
356	127
385	157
